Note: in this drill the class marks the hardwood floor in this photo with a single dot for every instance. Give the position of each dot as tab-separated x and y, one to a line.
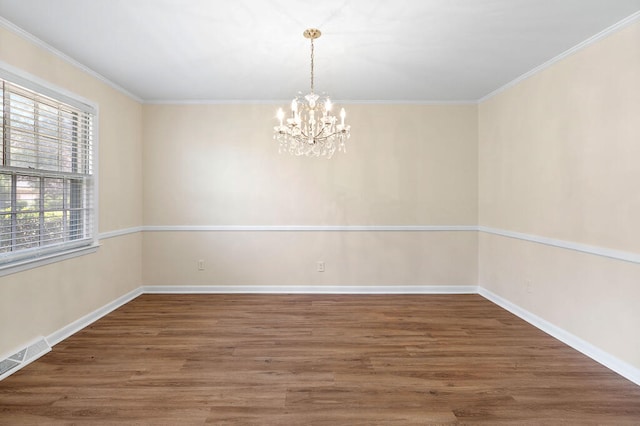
315	360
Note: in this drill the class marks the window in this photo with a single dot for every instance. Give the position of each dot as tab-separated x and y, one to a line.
46	173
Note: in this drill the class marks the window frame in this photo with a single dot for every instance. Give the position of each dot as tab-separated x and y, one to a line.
66	250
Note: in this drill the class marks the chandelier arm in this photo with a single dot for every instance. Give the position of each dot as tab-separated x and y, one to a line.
318	136
323	138
304	136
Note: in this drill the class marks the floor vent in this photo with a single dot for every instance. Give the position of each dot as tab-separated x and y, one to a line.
15	362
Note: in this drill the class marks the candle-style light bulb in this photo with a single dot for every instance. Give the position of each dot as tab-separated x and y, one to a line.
328	105
343	114
280	115
294	106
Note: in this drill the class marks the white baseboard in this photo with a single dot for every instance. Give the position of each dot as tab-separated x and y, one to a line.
311	289
624	369
308	228
70	329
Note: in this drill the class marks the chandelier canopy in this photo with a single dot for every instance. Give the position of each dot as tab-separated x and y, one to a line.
310	129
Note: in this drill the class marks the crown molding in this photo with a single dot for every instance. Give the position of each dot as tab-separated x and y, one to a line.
288	101
591	40
4	23
406	102
578	47
214	102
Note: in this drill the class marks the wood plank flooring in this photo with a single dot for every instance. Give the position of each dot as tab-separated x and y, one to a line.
315	360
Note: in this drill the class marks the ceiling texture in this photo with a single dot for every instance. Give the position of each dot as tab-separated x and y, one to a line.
369	51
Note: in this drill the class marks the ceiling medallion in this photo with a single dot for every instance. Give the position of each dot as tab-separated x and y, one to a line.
310	129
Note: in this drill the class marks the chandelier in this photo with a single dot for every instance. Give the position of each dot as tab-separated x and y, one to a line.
310	129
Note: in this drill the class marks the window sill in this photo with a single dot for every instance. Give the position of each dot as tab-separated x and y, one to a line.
36	262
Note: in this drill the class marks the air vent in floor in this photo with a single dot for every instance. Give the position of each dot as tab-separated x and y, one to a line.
15	362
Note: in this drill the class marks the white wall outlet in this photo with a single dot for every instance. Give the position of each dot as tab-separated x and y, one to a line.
200	265
320	266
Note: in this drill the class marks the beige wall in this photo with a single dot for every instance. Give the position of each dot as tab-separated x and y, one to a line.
42	300
558	158
554	156
218	165
283	258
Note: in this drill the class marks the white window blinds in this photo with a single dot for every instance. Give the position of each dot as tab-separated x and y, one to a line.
46	174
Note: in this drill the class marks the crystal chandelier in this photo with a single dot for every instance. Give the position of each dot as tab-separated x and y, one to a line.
311	130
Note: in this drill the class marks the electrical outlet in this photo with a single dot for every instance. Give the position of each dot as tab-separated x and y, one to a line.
200	265
320	266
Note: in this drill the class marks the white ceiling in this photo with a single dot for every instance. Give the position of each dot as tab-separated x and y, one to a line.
370	50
